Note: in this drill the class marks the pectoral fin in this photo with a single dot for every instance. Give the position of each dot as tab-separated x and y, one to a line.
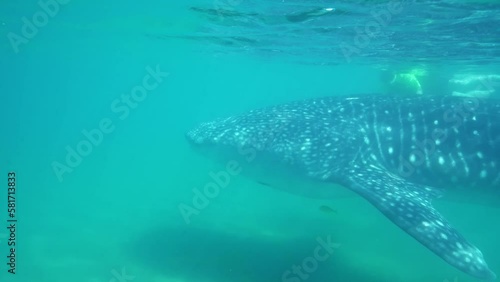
409	206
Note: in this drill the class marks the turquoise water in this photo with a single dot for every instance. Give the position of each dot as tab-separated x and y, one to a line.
116	210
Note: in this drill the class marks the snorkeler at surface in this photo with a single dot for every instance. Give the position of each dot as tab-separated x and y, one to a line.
474	85
402	84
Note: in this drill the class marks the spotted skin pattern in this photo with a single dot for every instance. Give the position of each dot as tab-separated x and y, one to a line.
398	153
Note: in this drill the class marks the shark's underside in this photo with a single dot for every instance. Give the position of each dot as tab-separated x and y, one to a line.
397	153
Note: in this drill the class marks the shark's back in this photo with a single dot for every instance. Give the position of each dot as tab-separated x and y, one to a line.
432	140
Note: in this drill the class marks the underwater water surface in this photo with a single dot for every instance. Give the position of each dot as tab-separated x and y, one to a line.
97	98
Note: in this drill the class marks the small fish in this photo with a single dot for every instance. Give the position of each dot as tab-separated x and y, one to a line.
327	209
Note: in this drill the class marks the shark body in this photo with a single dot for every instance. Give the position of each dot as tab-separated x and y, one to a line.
398	153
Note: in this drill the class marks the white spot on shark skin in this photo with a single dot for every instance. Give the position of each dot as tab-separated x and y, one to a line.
390	150
480	155
483	174
441	160
413	158
436	122
389	129
444	236
367	141
453	162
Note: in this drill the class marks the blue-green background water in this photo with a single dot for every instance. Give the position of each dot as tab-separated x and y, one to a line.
118	209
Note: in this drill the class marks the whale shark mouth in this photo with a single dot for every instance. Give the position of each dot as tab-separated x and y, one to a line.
304	136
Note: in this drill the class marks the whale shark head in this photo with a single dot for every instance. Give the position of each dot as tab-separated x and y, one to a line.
258	129
279	146
234	138
289	134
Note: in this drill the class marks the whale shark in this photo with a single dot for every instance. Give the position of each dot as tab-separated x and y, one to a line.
398	153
